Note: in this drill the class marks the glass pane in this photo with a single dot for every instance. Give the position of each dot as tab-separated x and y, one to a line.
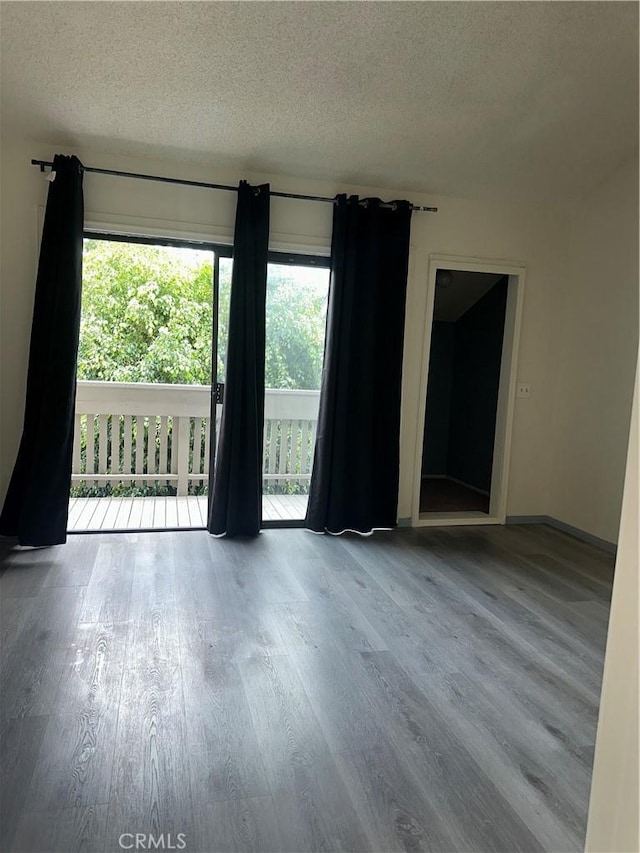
224	296
146	313
296	318
295	331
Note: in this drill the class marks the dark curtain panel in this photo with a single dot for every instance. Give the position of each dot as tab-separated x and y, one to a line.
354	484
36	506
236	482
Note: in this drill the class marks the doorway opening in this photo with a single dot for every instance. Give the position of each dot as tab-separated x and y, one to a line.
296	316
152	336
469	376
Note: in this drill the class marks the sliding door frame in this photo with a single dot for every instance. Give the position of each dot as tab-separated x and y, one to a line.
506	394
218	250
284	249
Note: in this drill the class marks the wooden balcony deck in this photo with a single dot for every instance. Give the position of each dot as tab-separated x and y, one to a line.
158	513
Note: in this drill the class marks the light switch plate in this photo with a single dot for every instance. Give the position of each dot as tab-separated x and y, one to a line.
524	389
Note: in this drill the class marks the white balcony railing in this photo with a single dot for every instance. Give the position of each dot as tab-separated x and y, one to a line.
159	434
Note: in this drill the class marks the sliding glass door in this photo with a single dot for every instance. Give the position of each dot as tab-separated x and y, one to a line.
151	377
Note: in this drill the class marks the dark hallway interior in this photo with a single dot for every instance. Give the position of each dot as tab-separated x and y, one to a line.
441	494
462	391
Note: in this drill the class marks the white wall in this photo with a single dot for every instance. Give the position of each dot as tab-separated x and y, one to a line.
534	237
595	344
614	822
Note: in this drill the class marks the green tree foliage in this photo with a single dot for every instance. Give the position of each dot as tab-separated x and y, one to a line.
295	329
145	314
147	317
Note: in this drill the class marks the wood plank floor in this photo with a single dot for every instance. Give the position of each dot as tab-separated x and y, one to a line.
160	513
432	690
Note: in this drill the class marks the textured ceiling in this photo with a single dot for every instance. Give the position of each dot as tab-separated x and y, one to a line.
470	99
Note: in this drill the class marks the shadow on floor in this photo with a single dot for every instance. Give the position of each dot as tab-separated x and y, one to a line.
440	494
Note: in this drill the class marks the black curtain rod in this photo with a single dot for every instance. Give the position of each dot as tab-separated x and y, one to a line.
46	164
